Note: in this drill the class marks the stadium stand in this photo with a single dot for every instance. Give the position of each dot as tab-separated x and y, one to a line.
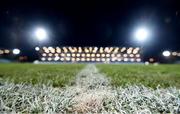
89	54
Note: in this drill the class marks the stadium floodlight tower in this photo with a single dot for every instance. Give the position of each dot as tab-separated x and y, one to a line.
41	34
16	51
166	53
141	36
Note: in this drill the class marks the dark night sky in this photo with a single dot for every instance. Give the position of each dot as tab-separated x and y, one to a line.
90	23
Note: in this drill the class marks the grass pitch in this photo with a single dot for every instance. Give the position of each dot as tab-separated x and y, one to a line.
53	74
60	75
150	76
92	92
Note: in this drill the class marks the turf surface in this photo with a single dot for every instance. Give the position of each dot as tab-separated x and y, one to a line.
150	76
62	74
53	74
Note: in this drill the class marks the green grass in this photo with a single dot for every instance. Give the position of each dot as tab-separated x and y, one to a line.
60	75
150	76
57	75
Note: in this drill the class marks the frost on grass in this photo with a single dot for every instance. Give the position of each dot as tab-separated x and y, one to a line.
140	99
33	99
91	93
131	99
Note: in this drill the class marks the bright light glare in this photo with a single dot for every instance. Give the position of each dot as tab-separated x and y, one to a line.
166	53
37	48
16	51
141	34
41	34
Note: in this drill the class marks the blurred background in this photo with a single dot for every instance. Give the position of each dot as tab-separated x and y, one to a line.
90	31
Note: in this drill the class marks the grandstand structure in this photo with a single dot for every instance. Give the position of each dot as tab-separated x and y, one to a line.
89	54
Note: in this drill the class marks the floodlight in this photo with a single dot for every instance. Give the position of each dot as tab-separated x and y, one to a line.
129	51
78	55
77	59
82	59
132	59
68	55
103	55
92	59
108	59
92	55
118	55
62	59
113	59
119	59
16	51
43	59
68	59
141	34
87	59
56	58
58	50
123	49
107	55
103	59
73	59
98	55
62	54
49	59
135	51
44	54
50	54
138	60
37	48
112	55
50	48
125	59
88	55
131	55
98	59
137	55
41	34
125	55
73	55
56	54
166	53
83	55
